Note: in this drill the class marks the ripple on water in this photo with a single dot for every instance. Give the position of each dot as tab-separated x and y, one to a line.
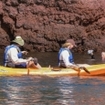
31	90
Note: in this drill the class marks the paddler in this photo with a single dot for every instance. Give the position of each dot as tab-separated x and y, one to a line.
13	56
65	56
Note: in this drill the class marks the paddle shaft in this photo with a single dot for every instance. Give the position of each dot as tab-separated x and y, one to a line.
28	71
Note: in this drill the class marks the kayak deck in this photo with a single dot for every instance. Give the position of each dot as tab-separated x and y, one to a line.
95	70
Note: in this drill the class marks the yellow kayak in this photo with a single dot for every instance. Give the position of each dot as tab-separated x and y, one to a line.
94	70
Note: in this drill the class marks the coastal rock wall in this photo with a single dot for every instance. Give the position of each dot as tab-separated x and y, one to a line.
46	24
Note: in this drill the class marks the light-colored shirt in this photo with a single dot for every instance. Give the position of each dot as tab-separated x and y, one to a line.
65	57
12	56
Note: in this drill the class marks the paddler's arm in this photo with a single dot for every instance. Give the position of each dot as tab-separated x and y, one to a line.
79	68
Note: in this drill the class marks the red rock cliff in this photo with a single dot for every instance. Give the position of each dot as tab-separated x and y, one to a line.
46	24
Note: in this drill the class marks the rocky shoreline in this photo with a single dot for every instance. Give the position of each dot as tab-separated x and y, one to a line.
46	24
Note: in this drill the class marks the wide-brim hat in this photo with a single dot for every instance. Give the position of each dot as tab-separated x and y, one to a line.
71	41
19	40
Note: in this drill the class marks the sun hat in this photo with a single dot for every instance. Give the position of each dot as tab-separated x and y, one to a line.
19	40
71	41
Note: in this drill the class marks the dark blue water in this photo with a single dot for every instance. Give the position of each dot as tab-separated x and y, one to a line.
36	90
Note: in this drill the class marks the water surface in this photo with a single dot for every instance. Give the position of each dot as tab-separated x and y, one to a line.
36	90
31	90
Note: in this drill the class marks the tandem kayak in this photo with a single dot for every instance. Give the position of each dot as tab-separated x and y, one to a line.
94	70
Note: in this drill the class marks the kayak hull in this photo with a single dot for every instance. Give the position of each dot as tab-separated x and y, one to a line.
95	70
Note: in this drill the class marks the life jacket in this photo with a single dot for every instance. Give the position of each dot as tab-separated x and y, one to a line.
71	60
8	48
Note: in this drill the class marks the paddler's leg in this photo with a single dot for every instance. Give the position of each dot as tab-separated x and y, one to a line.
32	65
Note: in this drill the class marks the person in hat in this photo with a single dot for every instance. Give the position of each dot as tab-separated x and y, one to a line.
91	53
65	56
13	56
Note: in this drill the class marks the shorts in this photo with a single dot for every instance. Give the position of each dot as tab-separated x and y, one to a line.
23	65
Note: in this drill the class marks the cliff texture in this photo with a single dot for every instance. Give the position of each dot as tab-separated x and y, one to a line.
46	24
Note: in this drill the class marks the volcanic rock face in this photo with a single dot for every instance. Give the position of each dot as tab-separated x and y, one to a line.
46	24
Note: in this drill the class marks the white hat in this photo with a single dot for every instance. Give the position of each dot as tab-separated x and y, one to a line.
19	40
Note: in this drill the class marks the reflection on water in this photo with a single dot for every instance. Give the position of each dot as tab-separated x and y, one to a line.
36	90
33	90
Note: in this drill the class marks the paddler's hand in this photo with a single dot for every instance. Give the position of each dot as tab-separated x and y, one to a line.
85	69
74	67
29	59
24	52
